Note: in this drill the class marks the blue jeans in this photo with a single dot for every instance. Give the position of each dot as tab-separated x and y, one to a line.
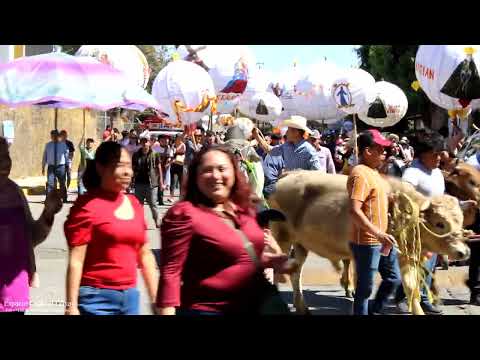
59	173
430	266
81	187
368	261
96	301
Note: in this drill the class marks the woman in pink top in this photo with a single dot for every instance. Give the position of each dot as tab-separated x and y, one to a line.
19	234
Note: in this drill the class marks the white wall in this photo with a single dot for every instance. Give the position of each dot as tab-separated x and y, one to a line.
6	53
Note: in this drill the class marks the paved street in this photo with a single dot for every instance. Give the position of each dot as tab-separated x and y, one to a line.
322	291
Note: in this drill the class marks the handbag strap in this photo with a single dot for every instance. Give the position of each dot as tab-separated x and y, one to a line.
247	244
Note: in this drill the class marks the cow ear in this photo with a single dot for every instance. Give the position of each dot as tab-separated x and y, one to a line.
425	204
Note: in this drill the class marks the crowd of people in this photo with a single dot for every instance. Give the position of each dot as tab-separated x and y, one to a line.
215	217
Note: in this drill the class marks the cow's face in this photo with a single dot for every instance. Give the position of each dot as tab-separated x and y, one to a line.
464	183
442	229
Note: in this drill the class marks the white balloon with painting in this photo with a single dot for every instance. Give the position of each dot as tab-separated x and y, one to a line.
186	83
388	108
353	91
228	65
227	103
448	74
285	82
318	79
258	82
263	106
127	58
313	98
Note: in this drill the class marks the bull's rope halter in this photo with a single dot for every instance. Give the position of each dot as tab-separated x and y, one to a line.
405	223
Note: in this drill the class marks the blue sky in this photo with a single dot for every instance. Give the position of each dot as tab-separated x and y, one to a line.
280	57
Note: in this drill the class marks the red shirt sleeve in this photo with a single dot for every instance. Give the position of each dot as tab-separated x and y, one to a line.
176	234
78	227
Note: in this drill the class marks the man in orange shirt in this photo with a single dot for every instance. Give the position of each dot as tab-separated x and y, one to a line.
372	247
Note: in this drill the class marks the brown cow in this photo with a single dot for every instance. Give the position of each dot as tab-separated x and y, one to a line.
464	183
317	209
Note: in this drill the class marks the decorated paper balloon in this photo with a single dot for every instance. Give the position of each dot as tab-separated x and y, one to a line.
313	98
227	103
246	125
448	74
388	108
353	91
258	81
263	106
318	79
216	125
316	107
126	58
228	65
184	90
284	83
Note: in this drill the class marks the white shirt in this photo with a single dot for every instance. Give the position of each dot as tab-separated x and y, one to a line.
407	152
473	160
428	182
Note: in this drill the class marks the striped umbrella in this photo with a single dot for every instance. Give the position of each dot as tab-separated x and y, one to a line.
62	81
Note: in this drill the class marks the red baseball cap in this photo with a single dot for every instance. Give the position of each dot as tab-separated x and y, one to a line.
379	139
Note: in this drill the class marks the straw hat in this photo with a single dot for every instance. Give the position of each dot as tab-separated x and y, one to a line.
297	122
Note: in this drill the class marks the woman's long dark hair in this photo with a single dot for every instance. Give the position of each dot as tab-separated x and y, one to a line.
108	153
240	194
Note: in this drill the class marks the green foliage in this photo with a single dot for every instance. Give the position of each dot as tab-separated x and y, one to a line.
158	56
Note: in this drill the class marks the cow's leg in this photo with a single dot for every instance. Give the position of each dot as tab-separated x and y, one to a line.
435	292
348	278
444	262
410	284
296	278
284	239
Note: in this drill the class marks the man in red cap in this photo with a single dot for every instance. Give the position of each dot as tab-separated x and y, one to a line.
371	246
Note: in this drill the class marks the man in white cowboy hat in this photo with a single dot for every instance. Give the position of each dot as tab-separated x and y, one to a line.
297	153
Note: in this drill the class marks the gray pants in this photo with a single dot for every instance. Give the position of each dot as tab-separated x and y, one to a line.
145	192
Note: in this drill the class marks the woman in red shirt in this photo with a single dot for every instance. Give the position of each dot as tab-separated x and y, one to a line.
106	233
207	265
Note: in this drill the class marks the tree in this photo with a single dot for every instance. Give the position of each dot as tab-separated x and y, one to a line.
158	56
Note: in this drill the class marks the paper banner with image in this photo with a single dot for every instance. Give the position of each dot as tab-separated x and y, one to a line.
448	74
